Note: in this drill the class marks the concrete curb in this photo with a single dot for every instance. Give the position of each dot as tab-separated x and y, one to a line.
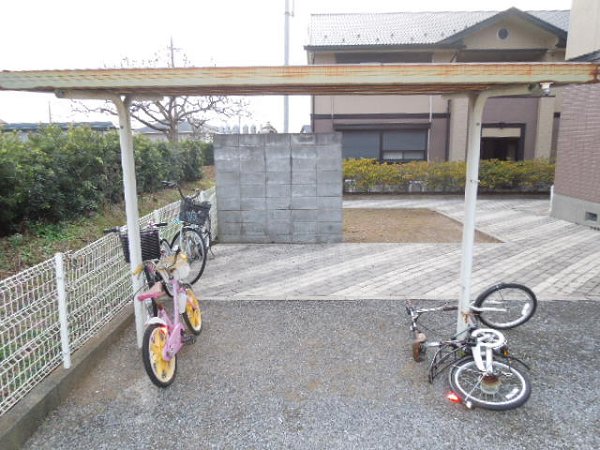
20	422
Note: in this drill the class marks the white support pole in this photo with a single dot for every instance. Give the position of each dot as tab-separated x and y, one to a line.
131	207
129	184
476	106
63	316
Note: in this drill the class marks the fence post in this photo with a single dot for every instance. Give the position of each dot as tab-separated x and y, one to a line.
62	309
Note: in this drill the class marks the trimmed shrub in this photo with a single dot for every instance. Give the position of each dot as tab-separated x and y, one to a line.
368	175
58	175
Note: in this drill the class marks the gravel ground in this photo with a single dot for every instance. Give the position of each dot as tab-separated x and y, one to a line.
330	374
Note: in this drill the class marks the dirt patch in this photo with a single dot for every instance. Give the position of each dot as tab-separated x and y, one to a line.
404	225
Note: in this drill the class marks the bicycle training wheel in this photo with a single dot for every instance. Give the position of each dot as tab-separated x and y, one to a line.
516	304
193	246
192	316
161	372
506	388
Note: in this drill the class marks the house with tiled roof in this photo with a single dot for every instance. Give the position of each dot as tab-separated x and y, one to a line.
432	127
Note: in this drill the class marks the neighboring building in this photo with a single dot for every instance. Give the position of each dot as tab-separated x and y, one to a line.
186	131
577	182
431	127
23	129
205	133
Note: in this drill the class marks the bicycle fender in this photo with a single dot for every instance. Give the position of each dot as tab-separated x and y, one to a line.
156	320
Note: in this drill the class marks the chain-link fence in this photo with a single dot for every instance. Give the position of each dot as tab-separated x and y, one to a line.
95	283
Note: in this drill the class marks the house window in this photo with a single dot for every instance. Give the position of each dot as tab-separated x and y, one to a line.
404	145
386	145
503	33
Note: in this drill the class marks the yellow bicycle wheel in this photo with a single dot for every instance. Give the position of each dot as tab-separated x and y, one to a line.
192	315
161	372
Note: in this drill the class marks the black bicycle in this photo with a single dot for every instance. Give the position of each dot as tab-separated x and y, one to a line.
194	237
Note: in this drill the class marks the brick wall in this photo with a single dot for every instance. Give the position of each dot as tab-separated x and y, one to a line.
279	188
578	156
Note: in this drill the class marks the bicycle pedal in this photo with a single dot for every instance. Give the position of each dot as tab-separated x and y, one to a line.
188	339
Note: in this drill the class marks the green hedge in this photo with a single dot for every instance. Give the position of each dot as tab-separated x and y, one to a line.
368	175
58	175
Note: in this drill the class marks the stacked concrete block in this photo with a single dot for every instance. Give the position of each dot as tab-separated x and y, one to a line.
279	188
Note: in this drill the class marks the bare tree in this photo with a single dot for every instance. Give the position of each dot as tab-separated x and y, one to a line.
167	115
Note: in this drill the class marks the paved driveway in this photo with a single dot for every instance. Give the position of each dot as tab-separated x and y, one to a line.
557	259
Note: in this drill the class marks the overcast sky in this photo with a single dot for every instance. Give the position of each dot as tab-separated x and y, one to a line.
71	34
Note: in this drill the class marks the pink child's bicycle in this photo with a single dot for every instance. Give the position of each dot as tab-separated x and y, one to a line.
166	334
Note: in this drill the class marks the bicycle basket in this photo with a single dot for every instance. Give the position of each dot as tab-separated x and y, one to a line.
193	211
149	241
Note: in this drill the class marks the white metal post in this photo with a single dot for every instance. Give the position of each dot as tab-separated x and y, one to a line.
63	316
131	207
476	106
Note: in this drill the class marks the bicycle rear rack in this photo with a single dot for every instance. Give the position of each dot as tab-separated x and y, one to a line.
445	357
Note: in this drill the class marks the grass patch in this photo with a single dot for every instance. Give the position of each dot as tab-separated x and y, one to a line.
39	242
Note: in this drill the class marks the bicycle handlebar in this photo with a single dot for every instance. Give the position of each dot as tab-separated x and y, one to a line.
174	184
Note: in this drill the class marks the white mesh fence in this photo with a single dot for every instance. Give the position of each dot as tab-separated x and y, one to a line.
98	287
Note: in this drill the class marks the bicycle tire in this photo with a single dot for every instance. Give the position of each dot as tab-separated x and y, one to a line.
151	279
509	389
165	247
165	250
161	372
208	235
194	248
192	315
520	303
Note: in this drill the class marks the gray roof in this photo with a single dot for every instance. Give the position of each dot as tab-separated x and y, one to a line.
411	28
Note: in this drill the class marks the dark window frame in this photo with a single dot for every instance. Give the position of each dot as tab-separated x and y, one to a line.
380	129
521	147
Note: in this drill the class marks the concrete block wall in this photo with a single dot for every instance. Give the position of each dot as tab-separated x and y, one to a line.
279	188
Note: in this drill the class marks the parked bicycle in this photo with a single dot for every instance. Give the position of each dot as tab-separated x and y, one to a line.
153	248
165	334
482	369
194	237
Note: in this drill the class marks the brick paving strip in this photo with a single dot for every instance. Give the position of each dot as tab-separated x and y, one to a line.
557	259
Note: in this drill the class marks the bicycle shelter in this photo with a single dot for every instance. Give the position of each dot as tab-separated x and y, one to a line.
477	82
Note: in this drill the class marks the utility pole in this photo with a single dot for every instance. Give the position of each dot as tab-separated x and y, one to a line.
286	62
172	51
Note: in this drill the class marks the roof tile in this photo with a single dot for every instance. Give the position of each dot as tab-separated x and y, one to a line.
405	27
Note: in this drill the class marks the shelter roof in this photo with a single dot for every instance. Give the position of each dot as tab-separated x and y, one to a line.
302	80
